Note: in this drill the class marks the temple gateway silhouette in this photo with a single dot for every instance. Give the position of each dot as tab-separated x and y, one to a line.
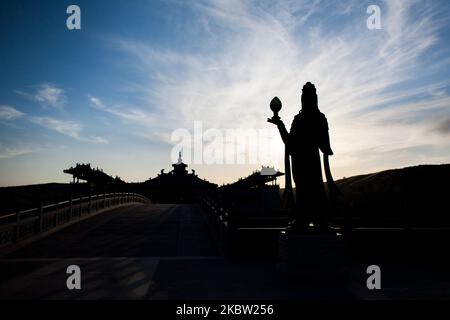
177	186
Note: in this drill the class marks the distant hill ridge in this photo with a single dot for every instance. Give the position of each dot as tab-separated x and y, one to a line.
420	192
429	176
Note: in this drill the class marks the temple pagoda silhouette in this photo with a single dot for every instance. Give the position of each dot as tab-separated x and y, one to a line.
86	180
177	186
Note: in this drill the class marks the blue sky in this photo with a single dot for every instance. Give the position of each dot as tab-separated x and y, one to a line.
113	92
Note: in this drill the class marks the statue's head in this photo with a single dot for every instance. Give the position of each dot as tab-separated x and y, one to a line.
309	97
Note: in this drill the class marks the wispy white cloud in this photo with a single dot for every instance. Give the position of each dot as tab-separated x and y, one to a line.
96	102
8	153
50	95
100	140
369	81
135	115
47	95
66	127
9	113
69	128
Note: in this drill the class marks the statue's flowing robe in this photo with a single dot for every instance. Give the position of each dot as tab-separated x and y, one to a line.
308	135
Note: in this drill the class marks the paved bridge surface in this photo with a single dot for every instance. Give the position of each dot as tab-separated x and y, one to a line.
161	252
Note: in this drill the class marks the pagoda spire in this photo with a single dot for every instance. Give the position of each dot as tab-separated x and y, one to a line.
179	167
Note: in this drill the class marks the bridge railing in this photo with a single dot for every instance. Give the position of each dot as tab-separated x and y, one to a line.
25	225
221	221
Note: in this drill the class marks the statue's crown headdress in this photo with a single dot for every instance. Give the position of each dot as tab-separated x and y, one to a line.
309	88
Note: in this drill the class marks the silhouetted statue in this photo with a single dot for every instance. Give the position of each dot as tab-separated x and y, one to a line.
308	135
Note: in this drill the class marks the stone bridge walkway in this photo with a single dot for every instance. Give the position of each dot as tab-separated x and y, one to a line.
167	252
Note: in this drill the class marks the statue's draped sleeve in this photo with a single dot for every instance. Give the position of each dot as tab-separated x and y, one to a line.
324	137
285	136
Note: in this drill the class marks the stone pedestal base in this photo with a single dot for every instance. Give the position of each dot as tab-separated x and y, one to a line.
311	258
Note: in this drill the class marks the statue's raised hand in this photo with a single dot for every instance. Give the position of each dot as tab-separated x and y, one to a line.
276	121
